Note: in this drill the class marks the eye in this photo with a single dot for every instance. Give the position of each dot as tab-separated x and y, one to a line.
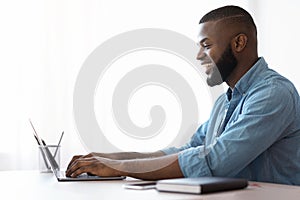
206	46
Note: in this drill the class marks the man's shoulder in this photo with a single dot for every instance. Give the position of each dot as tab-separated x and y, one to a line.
270	90
263	77
272	80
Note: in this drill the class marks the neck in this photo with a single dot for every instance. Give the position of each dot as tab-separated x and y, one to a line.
241	69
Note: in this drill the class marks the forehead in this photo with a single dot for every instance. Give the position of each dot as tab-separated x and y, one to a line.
212	30
206	31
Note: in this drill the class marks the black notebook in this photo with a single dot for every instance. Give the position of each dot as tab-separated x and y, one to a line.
200	185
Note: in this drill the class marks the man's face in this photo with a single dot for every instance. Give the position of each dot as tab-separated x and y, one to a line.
215	53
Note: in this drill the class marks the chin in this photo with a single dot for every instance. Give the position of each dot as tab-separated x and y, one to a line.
213	82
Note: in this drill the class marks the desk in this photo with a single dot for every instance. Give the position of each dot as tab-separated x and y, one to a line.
34	185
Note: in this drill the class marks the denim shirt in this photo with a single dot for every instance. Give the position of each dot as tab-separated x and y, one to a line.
260	142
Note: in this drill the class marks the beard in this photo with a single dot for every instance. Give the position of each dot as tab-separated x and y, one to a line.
223	68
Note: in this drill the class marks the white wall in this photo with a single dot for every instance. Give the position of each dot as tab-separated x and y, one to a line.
44	43
279	32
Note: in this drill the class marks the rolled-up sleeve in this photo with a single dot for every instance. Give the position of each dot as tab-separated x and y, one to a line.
196	140
192	164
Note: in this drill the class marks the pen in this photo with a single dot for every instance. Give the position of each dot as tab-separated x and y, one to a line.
62	134
35	136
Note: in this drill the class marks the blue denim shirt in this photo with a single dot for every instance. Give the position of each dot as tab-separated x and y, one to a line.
260	142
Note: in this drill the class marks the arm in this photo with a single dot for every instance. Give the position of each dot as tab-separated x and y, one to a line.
128	155
196	140
151	166
121	155
118	156
150	169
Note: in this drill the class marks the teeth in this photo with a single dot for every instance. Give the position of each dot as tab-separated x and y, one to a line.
207	65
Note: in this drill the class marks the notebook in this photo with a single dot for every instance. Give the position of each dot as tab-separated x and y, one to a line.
200	185
60	175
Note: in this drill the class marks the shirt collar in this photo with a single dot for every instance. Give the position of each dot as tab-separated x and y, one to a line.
253	73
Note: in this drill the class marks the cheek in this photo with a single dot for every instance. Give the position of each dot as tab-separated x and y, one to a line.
212	54
216	54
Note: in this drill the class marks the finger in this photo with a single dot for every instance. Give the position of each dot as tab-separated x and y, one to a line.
72	166
93	169
73	160
88	167
81	162
80	170
82	158
77	157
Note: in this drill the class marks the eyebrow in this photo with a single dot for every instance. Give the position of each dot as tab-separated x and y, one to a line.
203	40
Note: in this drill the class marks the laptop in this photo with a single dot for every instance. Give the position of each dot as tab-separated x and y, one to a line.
60	175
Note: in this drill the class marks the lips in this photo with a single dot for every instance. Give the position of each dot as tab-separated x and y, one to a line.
208	66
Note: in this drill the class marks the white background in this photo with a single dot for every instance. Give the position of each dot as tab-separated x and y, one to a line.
44	43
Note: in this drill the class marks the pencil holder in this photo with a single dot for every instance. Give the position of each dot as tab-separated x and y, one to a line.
44	165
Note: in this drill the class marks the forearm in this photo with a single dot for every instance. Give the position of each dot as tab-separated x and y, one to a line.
152	168
161	167
129	155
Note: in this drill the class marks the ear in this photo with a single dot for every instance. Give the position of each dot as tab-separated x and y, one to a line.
240	42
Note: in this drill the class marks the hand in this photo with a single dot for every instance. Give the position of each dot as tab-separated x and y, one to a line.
84	156
93	165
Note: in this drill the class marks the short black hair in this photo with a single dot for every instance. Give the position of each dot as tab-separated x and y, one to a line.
232	13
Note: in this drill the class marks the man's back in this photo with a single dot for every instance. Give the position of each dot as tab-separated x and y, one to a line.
279	160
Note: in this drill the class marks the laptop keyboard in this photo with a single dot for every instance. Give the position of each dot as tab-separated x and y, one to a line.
62	174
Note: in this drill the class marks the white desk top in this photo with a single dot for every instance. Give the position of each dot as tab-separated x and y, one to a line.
35	185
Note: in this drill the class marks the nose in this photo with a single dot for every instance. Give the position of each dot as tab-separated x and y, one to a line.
201	54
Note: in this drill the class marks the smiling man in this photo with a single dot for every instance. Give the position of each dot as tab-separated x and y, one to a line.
254	128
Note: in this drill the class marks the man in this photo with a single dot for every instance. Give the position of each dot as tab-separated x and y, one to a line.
253	131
